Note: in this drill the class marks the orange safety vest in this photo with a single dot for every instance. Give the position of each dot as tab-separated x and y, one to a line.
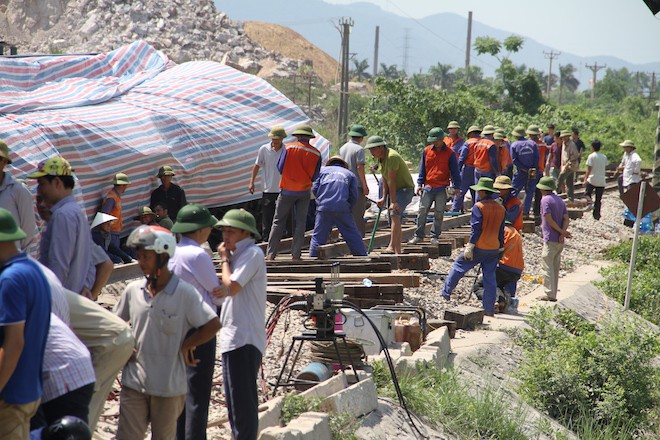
436	162
481	158
469	160
518	221
543	150
450	142
503	157
492	219
116	211
299	166
513	243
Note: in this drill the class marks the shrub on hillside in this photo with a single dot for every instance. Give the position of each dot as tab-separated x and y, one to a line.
645	297
572	369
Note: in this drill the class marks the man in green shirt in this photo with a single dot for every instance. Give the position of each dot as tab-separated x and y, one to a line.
397	184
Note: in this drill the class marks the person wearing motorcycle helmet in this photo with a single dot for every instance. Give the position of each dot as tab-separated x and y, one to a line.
162	311
66	428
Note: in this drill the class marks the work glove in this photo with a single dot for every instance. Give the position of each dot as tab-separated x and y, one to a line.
468	253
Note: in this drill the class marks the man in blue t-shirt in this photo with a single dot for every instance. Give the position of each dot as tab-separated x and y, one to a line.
25	304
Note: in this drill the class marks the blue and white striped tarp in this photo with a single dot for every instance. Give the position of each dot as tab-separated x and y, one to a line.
133	110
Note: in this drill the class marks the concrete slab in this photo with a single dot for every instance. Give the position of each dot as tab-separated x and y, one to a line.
358	399
308	426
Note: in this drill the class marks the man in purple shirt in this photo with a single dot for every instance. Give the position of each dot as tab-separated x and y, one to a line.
554	226
66	245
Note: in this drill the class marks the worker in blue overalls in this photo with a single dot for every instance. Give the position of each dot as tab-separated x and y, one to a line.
485	244
336	192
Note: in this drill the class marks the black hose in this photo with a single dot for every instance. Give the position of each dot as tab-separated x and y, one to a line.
390	364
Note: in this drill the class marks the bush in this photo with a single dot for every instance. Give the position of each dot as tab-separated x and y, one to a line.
644	299
572	370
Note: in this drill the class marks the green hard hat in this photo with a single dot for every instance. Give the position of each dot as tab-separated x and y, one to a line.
484	184
303	130
474	128
488	129
547	183
277	132
533	130
436	134
453	124
357	130
375	141
9	230
120	179
240	219
519	131
192	217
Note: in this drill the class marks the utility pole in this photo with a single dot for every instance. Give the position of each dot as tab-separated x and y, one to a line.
595	68
376	52
551	56
346	24
468	47
406	44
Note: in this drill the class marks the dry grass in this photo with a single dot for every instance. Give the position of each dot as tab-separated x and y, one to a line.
292	45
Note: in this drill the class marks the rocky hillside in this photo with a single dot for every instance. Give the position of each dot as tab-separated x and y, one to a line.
183	29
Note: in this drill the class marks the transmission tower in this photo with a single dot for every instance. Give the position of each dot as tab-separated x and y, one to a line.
406	47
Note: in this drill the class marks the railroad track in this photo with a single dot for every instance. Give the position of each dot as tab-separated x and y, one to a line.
388	274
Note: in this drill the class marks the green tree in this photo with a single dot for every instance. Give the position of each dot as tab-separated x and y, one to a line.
492	46
615	85
359	70
441	75
472	76
390	72
403	113
567	80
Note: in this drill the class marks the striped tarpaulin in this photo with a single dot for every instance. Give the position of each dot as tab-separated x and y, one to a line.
132	110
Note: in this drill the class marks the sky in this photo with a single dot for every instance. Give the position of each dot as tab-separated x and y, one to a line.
623	28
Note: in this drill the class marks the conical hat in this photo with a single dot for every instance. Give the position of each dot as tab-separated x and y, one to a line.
101	218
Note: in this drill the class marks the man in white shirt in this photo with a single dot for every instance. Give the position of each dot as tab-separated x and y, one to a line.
267	158
353	154
631	164
594	178
243	335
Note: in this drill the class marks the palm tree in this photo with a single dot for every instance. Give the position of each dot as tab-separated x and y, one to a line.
360	70
389	72
441	75
567	80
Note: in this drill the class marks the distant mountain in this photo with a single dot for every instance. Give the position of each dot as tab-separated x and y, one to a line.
413	44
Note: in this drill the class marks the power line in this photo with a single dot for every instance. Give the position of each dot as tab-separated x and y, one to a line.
430	31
